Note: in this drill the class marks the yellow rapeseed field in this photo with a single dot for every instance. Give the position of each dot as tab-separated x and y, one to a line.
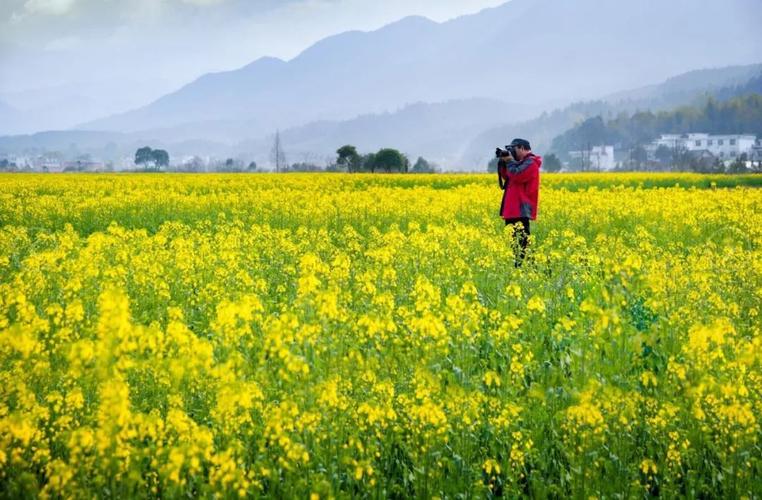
318	336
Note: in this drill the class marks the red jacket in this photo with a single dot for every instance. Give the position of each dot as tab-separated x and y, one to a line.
523	185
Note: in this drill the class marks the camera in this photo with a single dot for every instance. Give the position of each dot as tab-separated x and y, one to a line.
503	155
509	151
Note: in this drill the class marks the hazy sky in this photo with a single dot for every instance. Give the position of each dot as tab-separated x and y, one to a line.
145	48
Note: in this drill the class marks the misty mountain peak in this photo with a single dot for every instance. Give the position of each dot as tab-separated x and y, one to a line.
265	63
410	22
575	50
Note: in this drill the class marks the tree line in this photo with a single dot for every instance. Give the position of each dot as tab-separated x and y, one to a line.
736	115
151	159
348	159
385	159
741	114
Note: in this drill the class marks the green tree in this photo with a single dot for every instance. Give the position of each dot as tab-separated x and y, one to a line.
348	158
390	159
639	157
551	163
144	156
739	165
664	154
738	114
422	166
195	164
681	157
492	166
160	158
369	162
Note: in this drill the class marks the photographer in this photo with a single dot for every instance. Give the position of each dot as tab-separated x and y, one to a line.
519	176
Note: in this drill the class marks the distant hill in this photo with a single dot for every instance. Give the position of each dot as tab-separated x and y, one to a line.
689	88
432	130
102	145
457	134
740	114
63	105
685	87
435	131
441	131
753	86
529	51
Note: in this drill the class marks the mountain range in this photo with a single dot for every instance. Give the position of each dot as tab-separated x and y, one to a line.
684	89
443	89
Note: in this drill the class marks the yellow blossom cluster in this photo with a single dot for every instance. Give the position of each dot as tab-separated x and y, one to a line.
335	336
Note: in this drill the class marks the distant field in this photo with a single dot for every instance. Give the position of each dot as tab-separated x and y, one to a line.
367	335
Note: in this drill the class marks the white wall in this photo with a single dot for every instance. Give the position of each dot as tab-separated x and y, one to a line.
725	147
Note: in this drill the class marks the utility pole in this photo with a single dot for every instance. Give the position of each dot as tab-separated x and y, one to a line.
589	165
277	155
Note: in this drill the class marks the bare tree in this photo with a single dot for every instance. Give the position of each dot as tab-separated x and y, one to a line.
277	155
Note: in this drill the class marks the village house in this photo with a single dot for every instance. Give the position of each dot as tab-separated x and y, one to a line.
596	158
726	147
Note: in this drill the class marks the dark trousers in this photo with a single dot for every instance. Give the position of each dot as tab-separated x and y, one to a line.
521	235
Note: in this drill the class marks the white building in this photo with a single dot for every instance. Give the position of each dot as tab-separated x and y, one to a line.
47	163
20	161
756	151
597	158
725	147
